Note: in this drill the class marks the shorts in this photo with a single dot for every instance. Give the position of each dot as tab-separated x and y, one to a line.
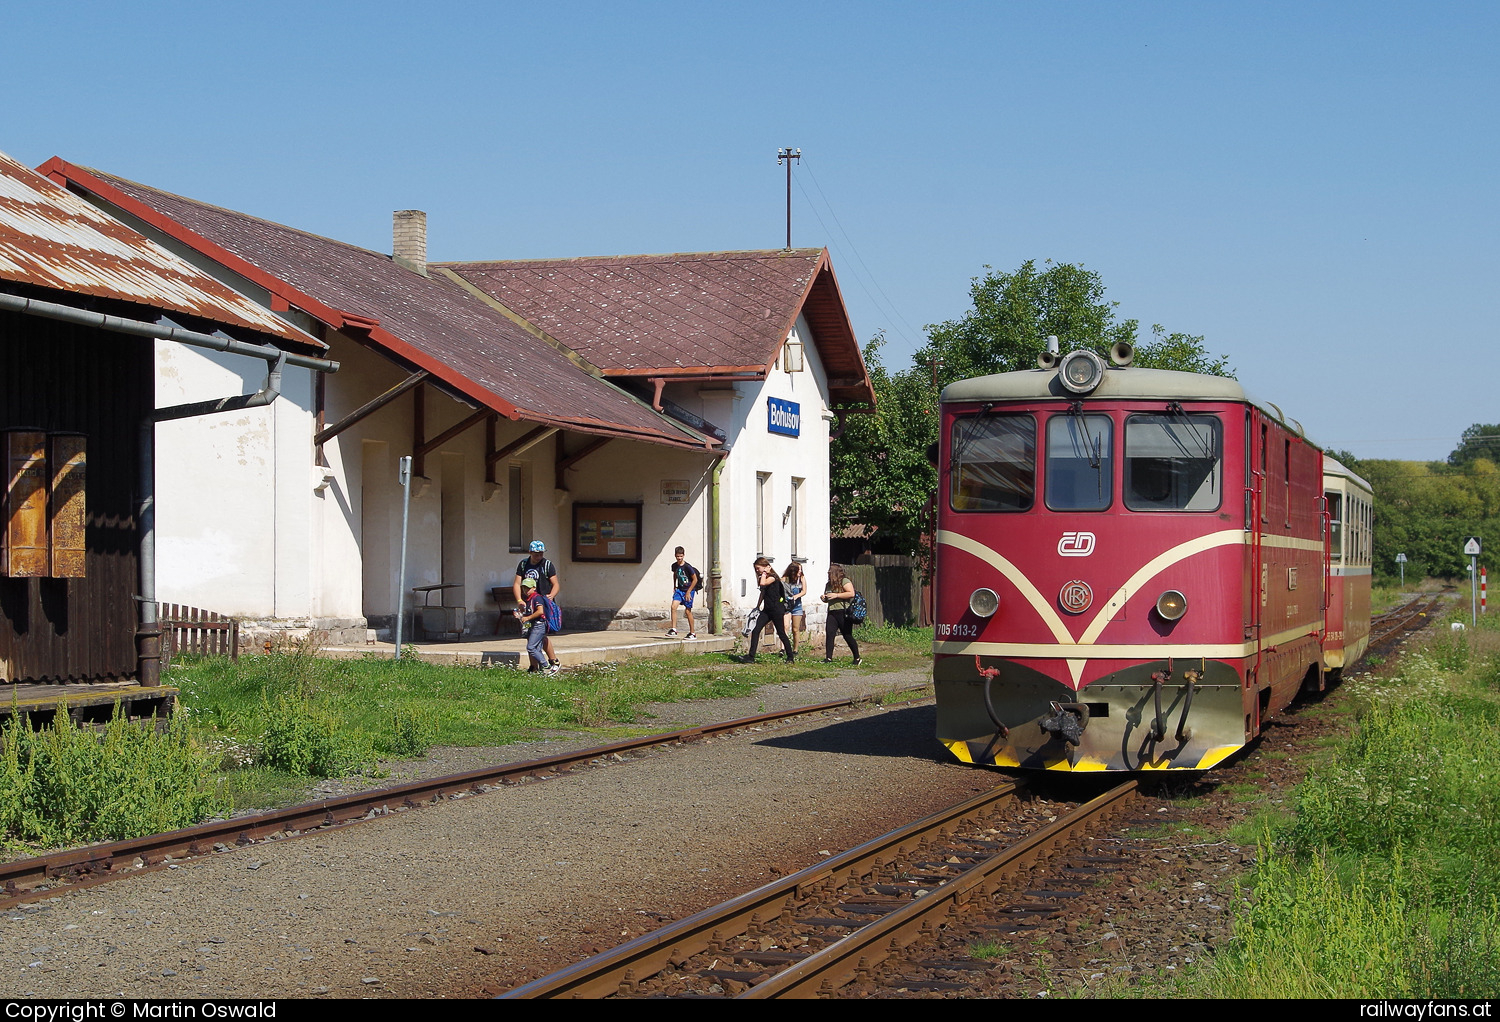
684	598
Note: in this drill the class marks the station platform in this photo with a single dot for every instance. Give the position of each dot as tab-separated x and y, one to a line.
572	648
87	703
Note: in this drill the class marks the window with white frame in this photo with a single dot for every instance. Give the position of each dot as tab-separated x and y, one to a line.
762	513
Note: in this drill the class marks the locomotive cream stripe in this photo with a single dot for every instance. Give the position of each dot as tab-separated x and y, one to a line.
1117	651
1084	644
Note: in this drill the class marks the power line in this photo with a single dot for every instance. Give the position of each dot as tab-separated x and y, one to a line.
860	269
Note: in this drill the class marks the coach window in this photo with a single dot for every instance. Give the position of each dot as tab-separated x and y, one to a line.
1080	462
1335	503
993	465
1173	462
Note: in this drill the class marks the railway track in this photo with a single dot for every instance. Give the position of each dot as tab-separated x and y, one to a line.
1400	621
43	876
841	921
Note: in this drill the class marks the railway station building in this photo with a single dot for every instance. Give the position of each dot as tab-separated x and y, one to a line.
614	408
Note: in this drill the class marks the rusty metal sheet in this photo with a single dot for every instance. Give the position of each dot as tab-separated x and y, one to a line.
52	238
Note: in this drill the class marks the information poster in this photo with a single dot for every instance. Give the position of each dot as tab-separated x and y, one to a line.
607	532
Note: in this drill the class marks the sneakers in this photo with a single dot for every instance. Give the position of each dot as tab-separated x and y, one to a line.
673	631
858	661
828	660
690	635
554	668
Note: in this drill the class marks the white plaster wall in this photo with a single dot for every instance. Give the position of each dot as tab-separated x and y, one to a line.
231	536
756	449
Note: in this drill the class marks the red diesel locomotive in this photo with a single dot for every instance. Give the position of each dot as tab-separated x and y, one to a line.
1135	567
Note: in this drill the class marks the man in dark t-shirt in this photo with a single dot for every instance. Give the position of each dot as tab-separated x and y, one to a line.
538	567
685	582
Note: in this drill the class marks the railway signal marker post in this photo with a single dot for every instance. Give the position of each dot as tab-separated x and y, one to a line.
1472	549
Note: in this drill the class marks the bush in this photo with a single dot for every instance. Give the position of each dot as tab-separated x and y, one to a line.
63	784
302	739
412	732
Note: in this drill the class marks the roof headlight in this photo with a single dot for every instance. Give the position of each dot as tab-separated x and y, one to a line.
1171	605
984	602
1081	371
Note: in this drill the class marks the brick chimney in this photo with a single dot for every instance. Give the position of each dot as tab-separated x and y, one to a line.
409	247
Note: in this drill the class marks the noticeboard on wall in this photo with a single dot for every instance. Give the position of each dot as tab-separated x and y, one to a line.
607	532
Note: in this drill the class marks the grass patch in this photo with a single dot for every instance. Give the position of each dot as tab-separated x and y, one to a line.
271	720
1383	880
987	949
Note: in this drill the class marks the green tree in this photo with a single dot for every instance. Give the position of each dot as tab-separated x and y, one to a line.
882	478
1478	441
1013	314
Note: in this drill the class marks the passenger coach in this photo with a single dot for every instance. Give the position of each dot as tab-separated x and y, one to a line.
1133	566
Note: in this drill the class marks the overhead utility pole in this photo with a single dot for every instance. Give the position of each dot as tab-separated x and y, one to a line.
788	154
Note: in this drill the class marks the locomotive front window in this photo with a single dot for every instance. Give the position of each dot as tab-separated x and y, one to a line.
1173	462
993	463
1080	462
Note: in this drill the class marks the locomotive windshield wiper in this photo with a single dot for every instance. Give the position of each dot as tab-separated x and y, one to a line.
963	438
1176	411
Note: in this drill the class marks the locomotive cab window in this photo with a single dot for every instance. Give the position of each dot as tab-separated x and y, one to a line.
1080	462
1174	462
993	463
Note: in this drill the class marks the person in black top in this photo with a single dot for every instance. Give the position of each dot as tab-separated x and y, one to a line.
684	584
772	608
538	567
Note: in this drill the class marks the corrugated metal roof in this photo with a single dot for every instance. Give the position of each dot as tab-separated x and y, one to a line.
53	239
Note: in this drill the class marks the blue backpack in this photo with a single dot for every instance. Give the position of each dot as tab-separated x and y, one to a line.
857	608
554	615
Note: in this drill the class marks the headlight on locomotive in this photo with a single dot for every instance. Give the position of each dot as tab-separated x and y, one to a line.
984	602
1080	371
1171	605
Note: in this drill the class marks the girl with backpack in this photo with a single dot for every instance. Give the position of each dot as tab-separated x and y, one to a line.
772	606
839	594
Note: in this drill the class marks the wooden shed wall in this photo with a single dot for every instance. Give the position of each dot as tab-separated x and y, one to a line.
57	377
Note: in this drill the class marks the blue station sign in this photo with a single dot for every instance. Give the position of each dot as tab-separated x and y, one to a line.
784	417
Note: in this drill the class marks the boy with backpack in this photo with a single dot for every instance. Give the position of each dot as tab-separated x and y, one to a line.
685	582
533	617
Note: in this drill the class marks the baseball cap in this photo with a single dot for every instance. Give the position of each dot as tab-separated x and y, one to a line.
528	583
538	547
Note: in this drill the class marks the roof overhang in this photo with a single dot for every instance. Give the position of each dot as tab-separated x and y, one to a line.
358	326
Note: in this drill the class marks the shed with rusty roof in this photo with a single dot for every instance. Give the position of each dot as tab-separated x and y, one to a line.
81	296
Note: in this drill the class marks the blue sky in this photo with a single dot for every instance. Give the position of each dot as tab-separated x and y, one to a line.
1311	187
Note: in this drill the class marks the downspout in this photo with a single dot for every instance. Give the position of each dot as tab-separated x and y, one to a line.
715	570
148	635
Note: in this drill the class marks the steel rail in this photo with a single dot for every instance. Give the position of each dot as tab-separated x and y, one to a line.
617	970
838	963
101	863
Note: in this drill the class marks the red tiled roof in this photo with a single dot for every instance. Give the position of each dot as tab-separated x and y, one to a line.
431	322
53	239
686	313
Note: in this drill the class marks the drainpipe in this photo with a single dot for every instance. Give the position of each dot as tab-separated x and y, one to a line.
715	570
148	635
